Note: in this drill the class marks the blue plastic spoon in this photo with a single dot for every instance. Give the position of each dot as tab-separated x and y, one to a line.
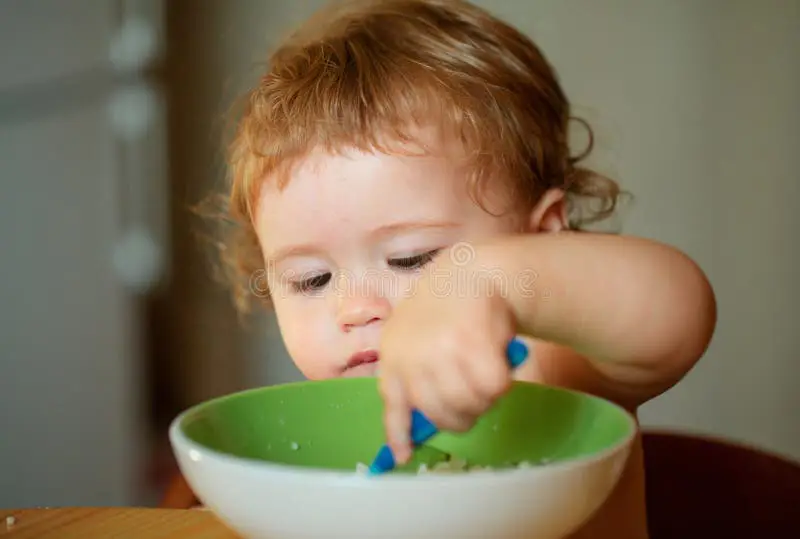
422	429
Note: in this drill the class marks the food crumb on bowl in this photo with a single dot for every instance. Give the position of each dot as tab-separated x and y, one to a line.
10	521
455	465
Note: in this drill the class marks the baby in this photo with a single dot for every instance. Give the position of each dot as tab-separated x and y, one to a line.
401	181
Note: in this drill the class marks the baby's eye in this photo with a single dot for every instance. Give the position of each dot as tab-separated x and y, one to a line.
413	262
312	283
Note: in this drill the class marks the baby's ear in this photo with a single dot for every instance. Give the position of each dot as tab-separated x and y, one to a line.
550	213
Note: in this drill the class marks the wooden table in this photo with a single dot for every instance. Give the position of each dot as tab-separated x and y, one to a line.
111	522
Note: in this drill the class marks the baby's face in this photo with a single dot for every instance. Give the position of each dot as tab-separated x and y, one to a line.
345	240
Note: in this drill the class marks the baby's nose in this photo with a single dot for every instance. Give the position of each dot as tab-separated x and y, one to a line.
362	311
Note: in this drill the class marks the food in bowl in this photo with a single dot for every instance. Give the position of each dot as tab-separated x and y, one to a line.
456	465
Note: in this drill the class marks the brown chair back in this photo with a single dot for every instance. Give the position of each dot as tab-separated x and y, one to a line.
699	487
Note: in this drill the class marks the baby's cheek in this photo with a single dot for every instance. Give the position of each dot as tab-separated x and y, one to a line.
306	335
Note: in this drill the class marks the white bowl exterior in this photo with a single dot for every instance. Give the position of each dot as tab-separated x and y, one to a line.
261	501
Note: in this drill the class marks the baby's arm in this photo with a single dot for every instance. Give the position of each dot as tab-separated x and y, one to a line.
624	318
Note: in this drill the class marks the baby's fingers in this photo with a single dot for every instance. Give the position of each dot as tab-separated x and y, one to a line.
447	399
397	418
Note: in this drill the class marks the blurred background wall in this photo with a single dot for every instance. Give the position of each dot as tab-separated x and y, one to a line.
110	130
82	243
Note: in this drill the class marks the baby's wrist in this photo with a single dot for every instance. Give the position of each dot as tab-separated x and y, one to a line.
486	270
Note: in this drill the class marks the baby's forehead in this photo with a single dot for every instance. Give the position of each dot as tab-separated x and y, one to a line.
348	179
358	192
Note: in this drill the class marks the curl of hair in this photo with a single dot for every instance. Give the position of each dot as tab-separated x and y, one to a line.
592	197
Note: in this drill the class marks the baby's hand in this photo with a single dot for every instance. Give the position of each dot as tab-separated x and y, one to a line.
443	351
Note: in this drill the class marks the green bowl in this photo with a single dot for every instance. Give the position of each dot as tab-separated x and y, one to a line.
280	462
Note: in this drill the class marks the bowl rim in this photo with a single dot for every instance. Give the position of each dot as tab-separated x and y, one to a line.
181	443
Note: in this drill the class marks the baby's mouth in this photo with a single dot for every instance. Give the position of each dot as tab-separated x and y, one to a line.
362	358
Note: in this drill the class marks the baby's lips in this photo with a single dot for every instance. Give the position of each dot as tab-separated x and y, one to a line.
359	358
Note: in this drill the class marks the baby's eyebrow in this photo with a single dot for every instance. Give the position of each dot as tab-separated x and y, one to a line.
404	226
382	231
293	250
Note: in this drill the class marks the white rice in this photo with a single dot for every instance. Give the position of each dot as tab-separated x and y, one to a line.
453	465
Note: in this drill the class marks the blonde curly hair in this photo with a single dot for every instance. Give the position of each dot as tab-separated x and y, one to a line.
361	74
